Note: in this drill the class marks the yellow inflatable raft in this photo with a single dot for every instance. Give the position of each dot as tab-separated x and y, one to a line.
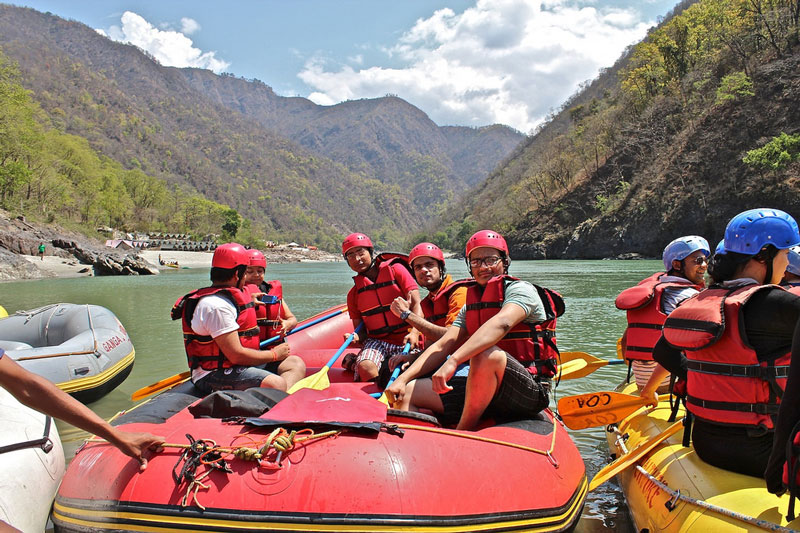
671	489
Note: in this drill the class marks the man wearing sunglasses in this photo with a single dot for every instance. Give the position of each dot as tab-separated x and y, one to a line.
491	359
650	302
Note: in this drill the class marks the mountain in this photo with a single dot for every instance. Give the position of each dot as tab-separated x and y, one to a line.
694	124
295	169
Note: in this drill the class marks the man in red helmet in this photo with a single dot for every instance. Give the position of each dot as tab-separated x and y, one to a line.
378	281
499	334
220	330
443	302
273	315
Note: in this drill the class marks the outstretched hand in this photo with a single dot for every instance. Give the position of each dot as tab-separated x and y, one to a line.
136	444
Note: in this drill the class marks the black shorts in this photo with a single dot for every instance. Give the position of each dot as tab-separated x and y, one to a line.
520	396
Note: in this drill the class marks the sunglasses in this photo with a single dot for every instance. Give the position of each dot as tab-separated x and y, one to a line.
699	260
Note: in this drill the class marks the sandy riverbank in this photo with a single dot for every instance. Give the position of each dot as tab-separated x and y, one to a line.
184	259
59	267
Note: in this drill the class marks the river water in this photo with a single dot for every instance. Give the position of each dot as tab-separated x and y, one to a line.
591	324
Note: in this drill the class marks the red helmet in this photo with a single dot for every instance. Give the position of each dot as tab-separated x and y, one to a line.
257	259
230	255
425	249
355	240
487	239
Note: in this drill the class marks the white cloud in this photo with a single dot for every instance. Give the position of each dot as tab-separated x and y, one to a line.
189	26
501	61
170	48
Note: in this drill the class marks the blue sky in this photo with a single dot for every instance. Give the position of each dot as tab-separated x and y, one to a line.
463	62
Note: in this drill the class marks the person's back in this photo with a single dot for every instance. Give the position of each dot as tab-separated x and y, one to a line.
735	336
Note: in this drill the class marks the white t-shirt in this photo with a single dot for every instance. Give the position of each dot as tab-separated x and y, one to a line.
213	316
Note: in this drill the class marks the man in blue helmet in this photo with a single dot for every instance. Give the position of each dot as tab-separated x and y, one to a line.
732	344
650	302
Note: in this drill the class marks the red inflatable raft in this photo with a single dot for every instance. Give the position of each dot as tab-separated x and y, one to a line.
324	460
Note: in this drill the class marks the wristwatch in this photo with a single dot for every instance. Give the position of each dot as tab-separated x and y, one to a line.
404	315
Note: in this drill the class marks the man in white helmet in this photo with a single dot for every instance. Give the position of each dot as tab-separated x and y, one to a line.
650	302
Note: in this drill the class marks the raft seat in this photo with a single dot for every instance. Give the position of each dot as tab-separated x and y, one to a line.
10	346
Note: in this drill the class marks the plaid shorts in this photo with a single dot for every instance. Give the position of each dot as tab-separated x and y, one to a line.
379	352
520	396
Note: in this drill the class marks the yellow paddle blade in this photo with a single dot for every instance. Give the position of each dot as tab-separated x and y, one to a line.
579	364
633	456
158	386
566	357
317	381
384	400
596	409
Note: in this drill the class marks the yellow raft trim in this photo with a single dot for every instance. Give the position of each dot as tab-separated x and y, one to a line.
103	521
91	382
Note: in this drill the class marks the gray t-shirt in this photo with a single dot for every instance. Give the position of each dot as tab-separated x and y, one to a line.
520	293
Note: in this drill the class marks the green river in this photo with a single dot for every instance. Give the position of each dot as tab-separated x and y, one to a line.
591	324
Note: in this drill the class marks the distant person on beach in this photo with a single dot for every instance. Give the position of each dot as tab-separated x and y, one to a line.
442	303
650	302
220	330
378	281
38	393
498	356
41	251
275	319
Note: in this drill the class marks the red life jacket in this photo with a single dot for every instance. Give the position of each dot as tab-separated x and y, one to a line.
201	350
269	314
436	306
534	345
726	383
374	299
645	317
793	287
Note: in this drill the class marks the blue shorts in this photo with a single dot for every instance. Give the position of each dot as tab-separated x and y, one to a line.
233	378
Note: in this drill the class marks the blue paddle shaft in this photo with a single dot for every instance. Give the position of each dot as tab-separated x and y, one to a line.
344	346
314	322
396	372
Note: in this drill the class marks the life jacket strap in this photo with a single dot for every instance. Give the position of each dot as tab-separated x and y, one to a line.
744	371
741	407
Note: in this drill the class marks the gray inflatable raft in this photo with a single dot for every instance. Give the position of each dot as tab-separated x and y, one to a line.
84	349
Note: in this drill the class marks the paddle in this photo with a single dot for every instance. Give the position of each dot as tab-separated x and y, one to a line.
382	395
596	409
319	380
158	386
633	456
304	326
579	364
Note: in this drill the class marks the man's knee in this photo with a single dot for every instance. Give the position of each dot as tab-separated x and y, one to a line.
273	382
367	370
293	362
490	359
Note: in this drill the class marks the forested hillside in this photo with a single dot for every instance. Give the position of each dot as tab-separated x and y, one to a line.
694	124
292	169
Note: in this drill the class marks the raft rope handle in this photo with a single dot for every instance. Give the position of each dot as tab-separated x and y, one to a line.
452	433
676	495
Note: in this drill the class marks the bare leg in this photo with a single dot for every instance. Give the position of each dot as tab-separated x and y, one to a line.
292	369
367	370
419	395
274	382
485	376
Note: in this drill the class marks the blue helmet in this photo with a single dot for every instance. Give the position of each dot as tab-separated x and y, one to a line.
682	247
794	261
748	232
720	249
